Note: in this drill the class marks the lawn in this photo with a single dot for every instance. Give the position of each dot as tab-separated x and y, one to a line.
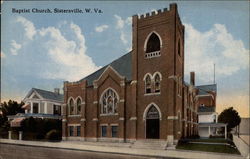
219	140
209	147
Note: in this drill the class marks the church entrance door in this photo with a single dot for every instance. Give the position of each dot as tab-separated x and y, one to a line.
152	123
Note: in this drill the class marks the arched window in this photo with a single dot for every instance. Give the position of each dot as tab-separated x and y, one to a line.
153	43
153	113
71	107
109	102
157	83
148	84
78	105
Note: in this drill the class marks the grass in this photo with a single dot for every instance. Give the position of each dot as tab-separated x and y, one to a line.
221	140
209	147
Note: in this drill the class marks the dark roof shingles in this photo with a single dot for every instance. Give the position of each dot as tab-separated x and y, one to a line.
49	95
205	89
122	65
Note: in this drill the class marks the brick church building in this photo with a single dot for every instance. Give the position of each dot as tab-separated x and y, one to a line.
141	95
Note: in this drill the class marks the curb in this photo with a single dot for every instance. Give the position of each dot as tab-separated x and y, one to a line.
125	151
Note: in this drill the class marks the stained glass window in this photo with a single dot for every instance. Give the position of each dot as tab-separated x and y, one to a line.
148	84
109	102
71	106
153	113
157	83
78	106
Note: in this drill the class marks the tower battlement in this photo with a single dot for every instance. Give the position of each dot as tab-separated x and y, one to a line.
172	6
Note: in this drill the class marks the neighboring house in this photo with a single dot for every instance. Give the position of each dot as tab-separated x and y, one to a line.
39	104
141	95
39	101
208	117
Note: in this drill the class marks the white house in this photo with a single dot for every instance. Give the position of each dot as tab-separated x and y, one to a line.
39	101
39	104
208	122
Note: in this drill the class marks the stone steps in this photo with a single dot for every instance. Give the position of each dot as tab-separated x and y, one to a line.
150	144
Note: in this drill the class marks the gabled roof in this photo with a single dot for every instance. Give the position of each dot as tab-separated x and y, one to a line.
205	89
47	94
122	65
206	109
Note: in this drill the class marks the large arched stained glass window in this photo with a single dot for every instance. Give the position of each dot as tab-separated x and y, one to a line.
109	102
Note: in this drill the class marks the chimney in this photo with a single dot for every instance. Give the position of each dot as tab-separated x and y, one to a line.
57	90
192	78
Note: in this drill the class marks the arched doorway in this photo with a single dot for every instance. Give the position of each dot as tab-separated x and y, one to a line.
153	123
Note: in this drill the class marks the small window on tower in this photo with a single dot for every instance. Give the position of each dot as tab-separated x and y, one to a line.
157	83
179	48
148	84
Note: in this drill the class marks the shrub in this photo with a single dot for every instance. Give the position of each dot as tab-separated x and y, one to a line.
54	135
37	128
230	136
183	141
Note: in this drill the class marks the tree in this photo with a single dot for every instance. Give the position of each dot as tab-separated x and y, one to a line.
230	117
10	108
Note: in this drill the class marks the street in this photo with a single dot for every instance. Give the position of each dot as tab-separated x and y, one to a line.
9	151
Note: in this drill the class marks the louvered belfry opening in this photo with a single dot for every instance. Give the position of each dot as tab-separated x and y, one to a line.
153	43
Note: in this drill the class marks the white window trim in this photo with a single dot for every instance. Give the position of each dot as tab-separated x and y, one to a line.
151	94
108	114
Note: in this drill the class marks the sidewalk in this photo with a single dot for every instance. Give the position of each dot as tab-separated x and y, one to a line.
118	148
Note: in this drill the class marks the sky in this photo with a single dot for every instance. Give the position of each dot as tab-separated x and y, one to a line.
42	50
